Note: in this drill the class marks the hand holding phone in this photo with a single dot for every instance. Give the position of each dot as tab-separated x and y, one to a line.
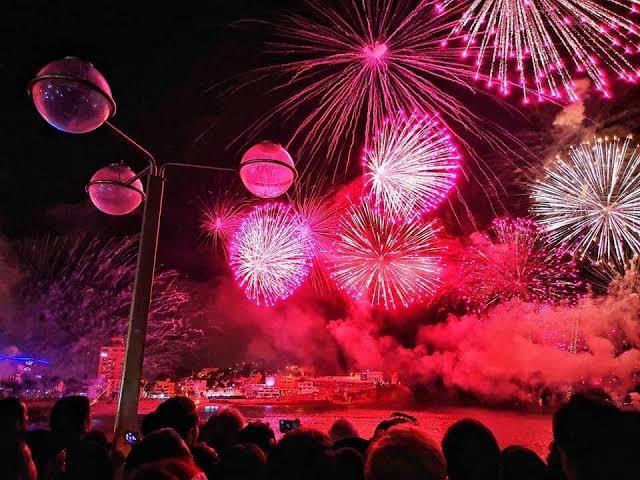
288	425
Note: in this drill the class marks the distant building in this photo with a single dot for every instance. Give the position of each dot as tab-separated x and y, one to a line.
110	366
287	384
193	387
162	389
261	390
372	376
307	388
224	392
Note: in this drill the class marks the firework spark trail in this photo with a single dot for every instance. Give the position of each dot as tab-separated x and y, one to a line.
386	262
536	36
354	63
410	164
319	218
75	295
590	202
269	254
222	219
513	261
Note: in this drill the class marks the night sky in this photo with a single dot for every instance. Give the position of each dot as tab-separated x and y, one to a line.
160	63
169	66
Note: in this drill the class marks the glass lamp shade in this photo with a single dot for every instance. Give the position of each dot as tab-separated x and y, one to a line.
112	191
72	95
267	170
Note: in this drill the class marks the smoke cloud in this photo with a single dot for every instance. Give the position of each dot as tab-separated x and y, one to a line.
515	352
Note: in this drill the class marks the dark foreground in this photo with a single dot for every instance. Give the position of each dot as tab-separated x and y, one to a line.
530	430
588	438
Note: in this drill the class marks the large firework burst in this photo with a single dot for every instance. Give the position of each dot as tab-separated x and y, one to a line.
513	261
545	40
353	63
590	202
410	164
269	254
384	261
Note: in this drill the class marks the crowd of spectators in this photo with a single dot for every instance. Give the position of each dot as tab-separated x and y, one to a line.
592	439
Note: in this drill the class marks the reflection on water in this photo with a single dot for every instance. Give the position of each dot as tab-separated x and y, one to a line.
533	431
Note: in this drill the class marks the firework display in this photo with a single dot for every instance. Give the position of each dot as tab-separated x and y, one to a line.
383	261
545	41
318	222
410	164
269	254
354	62
221	220
590	202
513	261
75	294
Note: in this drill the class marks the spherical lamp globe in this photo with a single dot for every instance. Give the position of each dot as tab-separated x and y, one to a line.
267	170
72	95
114	190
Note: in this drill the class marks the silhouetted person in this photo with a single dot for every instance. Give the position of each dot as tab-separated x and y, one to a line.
87	459
171	469
554	465
179	413
13	418
16	462
341	429
243	462
588	433
471	451
520	463
629	444
69	420
349	464
404	452
163	444
150	423
207	459
260	434
359	444
386	424
41	447
302	454
222	428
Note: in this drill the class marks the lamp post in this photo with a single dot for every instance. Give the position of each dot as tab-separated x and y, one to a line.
73	96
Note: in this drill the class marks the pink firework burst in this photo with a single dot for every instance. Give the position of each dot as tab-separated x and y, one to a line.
222	219
546	41
410	164
352	63
514	261
269	254
383	261
318	222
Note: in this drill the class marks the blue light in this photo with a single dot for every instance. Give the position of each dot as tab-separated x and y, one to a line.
24	358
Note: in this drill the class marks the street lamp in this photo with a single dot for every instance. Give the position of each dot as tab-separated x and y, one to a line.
115	190
73	96
267	170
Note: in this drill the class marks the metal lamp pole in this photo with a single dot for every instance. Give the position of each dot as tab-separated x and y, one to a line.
127	415
73	96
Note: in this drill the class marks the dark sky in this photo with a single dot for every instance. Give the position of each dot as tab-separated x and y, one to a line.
159	61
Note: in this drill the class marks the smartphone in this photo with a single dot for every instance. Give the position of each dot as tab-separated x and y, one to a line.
131	438
288	425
